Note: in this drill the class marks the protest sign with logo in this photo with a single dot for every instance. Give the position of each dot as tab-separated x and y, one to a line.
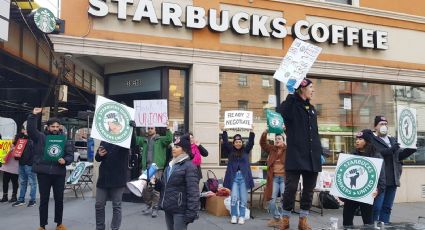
274	122
297	62
151	113
54	148
407	127
5	146
238	119
111	122
19	147
76	174
356	177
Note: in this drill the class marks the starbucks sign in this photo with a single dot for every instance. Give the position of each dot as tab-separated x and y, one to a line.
45	20
356	177
406	124
76	173
54	150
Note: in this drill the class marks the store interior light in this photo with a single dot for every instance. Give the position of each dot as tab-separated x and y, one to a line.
173	87
177	94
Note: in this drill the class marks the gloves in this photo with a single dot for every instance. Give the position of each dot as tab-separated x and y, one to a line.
132	124
290	85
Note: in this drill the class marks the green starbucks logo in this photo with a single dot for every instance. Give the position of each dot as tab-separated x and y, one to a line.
78	171
356	177
407	126
54	150
275	122
45	20
112	121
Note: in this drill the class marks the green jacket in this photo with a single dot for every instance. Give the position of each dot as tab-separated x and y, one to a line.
159	149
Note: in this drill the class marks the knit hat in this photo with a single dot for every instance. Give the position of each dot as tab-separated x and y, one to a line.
365	134
184	142
53	120
379	119
237	137
304	83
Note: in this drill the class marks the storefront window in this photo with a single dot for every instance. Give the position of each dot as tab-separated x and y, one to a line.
177	99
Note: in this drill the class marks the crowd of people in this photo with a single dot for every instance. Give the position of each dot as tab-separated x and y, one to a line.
174	187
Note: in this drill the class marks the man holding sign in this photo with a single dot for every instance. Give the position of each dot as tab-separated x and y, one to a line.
51	154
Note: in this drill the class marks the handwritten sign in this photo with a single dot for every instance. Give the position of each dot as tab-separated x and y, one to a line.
151	113
297	62
237	119
407	127
5	146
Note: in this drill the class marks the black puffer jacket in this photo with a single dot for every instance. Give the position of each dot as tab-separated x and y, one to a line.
39	139
28	155
302	136
180	192
113	166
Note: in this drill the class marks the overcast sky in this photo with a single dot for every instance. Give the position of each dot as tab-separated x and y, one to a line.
52	5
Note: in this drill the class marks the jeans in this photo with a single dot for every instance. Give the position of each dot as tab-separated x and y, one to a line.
175	221
291	185
383	204
45	182
350	208
239	193
102	195
278	188
10	177
26	175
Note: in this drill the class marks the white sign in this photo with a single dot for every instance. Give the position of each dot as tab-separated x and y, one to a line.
407	127
76	174
238	119
356	177
111	122
151	113
347	103
272	101
297	62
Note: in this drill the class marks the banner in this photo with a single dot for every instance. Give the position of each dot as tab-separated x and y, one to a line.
5	146
111	122
356	177
297	62
238	119
407	127
151	113
19	147
76	174
54	147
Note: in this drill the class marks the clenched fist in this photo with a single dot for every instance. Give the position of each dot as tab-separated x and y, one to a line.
36	110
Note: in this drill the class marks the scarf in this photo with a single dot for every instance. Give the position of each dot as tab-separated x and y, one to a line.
174	161
197	160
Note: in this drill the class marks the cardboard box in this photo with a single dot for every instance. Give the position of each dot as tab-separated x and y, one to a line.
215	206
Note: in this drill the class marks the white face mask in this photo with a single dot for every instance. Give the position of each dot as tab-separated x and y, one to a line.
383	130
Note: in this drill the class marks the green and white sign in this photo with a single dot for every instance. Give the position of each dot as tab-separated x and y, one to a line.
45	20
407	127
54	148
356	177
76	173
111	122
274	122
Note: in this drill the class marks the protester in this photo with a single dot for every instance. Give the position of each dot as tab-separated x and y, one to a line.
154	151
393	156
198	151
303	152
50	174
275	175
238	177
363	147
10	174
180	189
111	182
26	175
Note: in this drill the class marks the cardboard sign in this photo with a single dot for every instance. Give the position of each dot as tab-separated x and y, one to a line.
238	119
407	127
5	146
356	177
297	62
19	147
111	122
76	174
54	147
151	113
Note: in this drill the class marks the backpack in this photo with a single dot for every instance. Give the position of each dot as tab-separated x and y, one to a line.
328	201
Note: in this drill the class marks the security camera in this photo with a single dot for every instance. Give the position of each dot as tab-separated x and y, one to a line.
68	55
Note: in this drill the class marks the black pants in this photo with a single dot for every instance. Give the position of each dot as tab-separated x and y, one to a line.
291	183
350	208
7	177
45	182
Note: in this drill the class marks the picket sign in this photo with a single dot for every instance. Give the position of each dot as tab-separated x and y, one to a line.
151	113
238	119
407	127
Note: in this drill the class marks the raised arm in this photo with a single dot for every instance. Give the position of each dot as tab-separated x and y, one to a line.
203	151
33	133
286	108
263	142
167	139
250	143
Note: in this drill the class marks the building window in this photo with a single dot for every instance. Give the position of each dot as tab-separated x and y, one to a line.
242	105
176	99
266	81
364	115
243	80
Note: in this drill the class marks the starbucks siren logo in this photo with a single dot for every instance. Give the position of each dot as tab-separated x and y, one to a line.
54	150
275	121
45	20
78	171
112	122
356	177
407	126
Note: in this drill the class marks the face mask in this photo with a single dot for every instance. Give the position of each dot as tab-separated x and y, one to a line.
383	130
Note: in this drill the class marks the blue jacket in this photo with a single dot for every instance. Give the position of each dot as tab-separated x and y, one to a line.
235	162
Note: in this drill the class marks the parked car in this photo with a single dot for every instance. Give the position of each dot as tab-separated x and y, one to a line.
81	149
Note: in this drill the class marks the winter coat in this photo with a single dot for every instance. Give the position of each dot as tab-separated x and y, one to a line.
11	166
159	150
302	135
273	152
180	190
113	166
236	162
202	152
27	155
382	180
39	139
393	157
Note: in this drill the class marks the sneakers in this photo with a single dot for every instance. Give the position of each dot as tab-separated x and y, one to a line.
4	199
146	211
154	212
241	220
234	220
275	222
18	203
61	227
13	199
31	203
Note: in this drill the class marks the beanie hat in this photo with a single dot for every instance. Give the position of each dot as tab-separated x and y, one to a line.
379	119
365	134
53	120
237	137
304	83
184	142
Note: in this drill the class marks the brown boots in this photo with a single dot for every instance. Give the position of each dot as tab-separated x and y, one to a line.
302	224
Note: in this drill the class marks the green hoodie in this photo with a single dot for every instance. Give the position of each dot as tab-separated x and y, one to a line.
159	149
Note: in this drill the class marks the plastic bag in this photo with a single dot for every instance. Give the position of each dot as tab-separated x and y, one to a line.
227	203
274	122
